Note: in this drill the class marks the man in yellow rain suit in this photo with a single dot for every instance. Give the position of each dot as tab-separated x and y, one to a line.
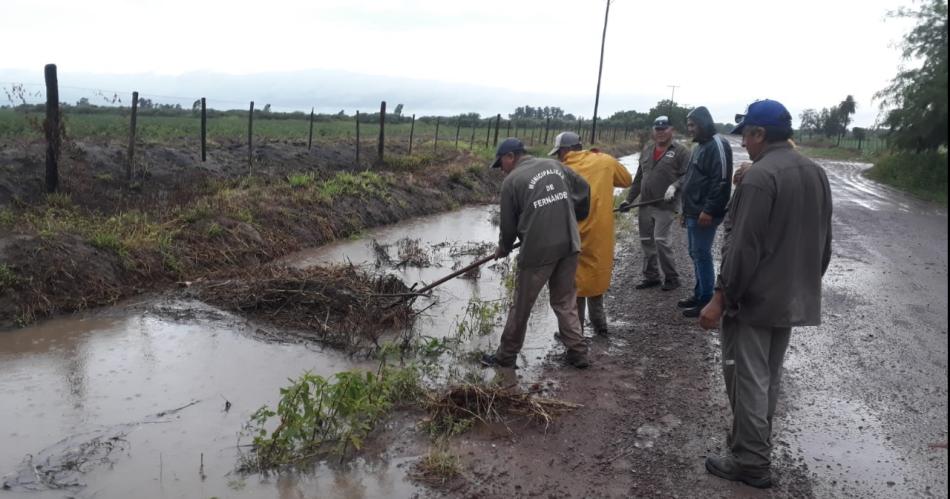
603	172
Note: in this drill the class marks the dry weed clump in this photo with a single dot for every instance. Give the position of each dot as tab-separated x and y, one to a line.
491	404
412	254
341	305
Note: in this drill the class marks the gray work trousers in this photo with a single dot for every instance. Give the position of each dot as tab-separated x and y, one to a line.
655	225
752	358
559	276
594	306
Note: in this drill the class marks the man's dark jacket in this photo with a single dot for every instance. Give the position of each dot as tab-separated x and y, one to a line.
708	182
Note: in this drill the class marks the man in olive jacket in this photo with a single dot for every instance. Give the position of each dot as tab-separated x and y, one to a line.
541	201
776	250
662	166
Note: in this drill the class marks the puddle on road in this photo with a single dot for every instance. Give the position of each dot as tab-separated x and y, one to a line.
72	382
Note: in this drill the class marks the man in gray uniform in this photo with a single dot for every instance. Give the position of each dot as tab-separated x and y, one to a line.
541	201
663	163
775	252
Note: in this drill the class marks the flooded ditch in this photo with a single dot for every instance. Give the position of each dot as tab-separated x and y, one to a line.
150	398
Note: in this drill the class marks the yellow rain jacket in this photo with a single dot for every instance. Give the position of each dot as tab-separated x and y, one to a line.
603	172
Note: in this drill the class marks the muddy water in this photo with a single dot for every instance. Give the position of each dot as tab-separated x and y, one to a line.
442	235
135	396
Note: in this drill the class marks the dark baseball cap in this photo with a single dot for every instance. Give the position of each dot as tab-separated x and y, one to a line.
770	113
508	145
661	123
565	139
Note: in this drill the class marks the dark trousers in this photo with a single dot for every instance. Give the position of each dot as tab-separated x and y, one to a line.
752	359
700	241
592	306
559	277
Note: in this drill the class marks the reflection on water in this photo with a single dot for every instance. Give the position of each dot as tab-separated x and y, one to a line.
111	372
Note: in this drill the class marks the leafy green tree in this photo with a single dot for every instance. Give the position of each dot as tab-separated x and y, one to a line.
675	112
809	121
915	102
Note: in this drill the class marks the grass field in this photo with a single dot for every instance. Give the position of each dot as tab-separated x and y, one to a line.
150	128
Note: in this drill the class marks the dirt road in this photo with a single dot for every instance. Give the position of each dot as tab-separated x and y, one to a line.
864	408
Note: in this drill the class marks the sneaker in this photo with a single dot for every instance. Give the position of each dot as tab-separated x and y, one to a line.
687	302
727	468
579	361
490	360
670	284
648	283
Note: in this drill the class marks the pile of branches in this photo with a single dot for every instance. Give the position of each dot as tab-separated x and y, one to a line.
493	404
341	305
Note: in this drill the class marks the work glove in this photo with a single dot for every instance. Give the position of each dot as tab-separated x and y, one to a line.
670	193
624	206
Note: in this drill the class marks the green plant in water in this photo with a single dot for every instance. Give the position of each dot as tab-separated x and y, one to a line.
479	318
320	416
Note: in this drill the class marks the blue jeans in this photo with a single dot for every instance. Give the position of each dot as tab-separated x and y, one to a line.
700	250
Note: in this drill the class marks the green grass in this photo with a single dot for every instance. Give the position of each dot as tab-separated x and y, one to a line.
836	153
298	180
7	277
923	175
364	184
115	125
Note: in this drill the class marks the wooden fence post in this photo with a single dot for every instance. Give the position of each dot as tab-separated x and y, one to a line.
357	138
382	131
435	146
507	132
458	130
250	137
133	119
497	125
204	130
471	145
310	138
547	126
488	134
51	127
412	129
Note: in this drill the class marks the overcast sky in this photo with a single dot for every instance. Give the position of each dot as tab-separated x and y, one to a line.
808	53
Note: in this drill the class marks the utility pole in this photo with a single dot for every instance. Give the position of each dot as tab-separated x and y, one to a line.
600	70
672	95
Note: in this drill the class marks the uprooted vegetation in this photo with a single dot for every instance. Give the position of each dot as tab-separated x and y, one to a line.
319	417
342	305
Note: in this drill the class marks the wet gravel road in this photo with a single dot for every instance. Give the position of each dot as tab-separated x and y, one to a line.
864	406
866	392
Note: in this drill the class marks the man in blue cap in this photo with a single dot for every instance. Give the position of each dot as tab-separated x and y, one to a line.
541	202
775	252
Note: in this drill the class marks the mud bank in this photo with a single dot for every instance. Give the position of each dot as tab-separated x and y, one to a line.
98	240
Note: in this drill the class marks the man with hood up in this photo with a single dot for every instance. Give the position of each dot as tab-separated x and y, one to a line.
706	190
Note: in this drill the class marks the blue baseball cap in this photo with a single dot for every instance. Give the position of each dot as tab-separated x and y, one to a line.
508	145
764	113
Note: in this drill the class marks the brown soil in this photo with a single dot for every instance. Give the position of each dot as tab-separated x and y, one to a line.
58	272
652	406
208	234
